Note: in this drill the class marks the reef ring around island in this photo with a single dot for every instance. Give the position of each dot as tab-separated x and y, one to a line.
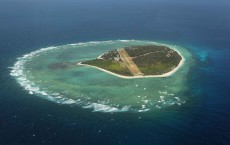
53	73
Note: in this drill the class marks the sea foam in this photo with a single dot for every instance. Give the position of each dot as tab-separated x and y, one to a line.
18	71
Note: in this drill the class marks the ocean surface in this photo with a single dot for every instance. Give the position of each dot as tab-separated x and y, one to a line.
200	27
53	73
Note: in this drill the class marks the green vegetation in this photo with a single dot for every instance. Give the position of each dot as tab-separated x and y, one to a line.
110	65
150	59
135	51
157	63
110	55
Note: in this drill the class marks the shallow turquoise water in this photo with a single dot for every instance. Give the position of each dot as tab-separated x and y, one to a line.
202	27
91	88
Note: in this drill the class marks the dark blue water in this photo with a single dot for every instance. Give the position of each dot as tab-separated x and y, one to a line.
201	26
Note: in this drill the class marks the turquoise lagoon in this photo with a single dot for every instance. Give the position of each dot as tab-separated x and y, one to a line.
94	89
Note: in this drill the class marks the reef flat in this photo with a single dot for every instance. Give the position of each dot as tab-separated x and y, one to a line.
54	73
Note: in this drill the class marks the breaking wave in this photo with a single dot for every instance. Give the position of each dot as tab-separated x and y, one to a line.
18	71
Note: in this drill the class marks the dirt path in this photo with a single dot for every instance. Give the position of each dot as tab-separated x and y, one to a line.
129	63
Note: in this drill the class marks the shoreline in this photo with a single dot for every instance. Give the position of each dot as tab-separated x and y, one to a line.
147	76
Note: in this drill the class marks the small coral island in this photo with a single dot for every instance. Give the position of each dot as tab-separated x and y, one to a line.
138	61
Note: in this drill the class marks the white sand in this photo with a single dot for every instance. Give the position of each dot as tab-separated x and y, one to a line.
148	76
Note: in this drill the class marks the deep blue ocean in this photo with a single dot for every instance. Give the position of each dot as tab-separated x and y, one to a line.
203	27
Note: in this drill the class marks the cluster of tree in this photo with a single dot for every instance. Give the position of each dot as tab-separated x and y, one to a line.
134	51
110	55
157	63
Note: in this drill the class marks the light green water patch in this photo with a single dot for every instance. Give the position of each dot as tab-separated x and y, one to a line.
91	88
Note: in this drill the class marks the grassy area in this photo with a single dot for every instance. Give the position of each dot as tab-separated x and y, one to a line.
110	65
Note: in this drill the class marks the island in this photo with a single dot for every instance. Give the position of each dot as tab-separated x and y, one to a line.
108	76
138	61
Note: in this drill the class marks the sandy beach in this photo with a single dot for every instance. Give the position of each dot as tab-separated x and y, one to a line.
147	76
